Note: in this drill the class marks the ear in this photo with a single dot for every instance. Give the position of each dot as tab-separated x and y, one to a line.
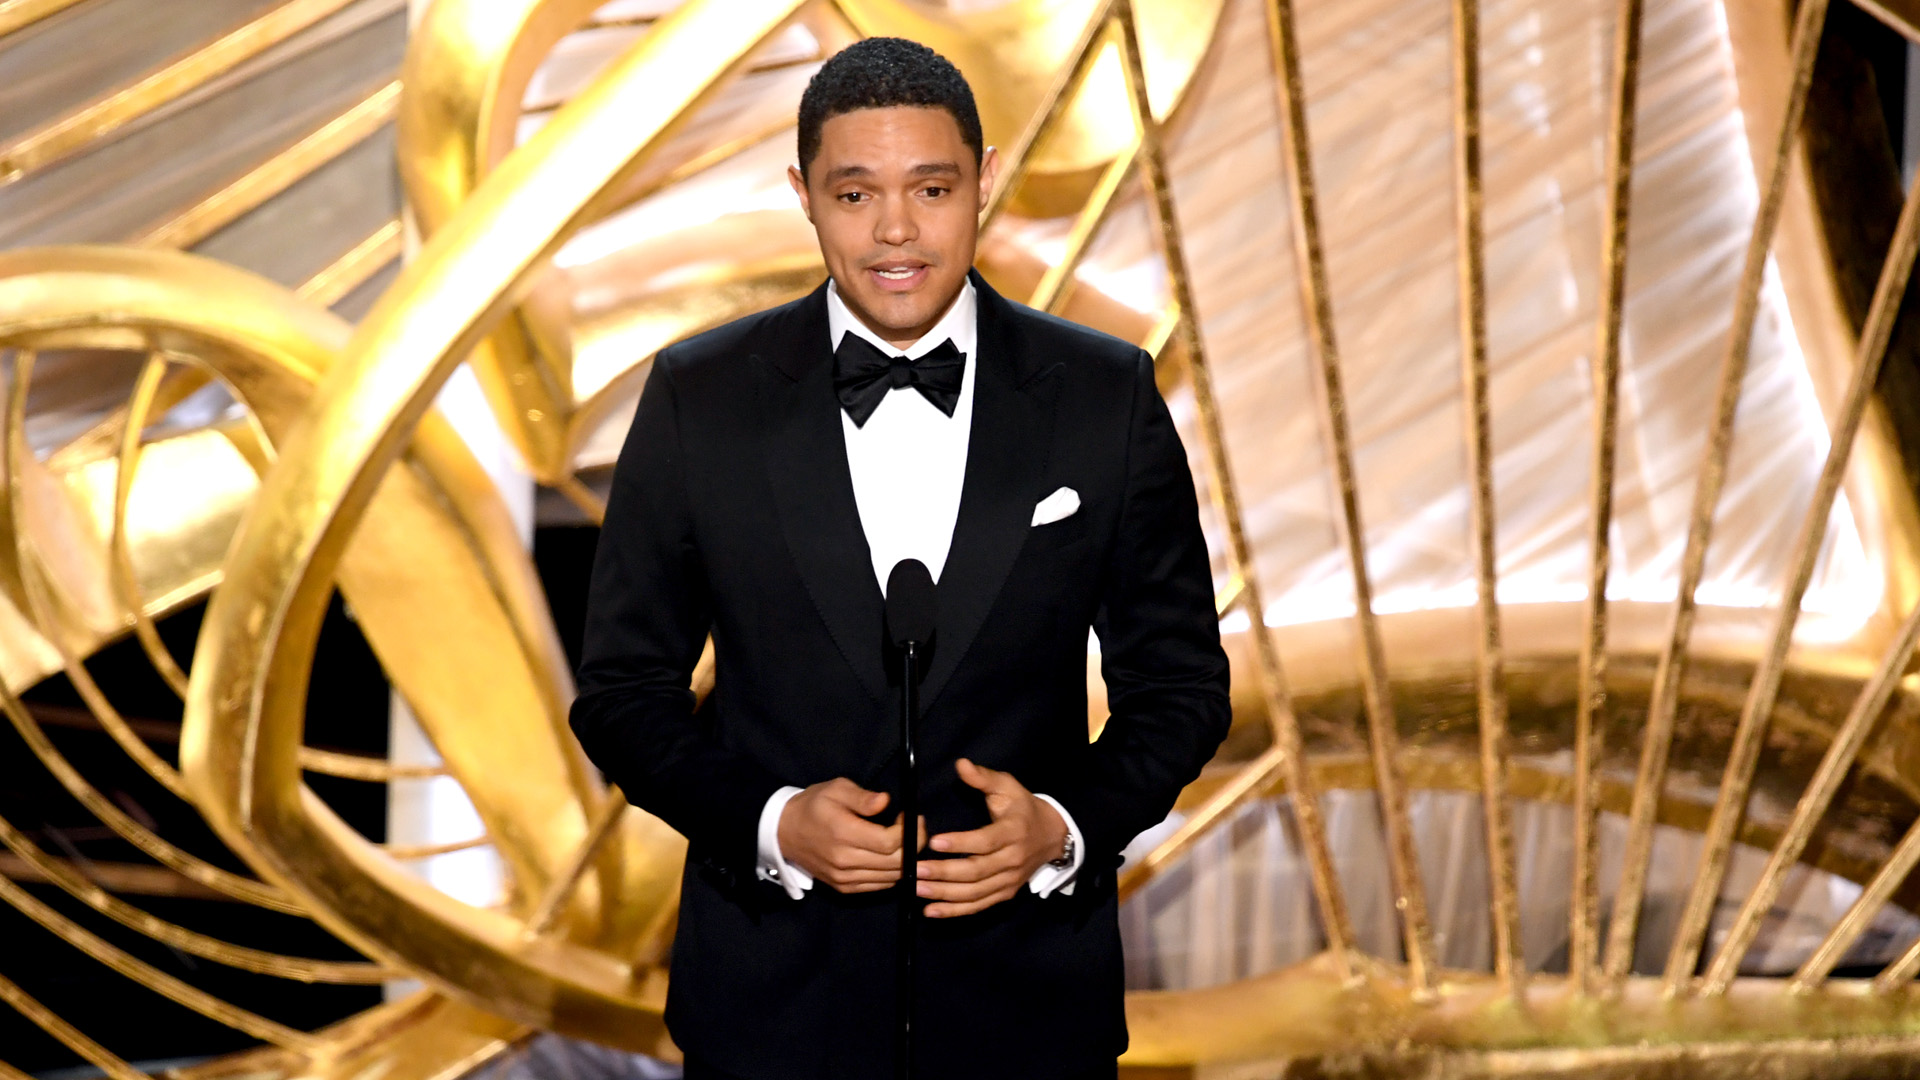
799	183
989	168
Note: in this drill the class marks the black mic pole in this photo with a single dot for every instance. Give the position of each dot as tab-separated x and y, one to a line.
910	622
909	852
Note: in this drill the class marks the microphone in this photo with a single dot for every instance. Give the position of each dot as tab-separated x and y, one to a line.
911	615
910	603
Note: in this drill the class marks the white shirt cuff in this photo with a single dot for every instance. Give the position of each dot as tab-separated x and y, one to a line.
1049	877
771	866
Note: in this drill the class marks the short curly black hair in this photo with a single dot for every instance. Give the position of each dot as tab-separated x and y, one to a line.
879	73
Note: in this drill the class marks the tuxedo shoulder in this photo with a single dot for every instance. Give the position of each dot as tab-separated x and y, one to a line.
1081	347
730	344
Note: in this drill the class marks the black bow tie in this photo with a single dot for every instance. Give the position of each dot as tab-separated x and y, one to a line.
863	374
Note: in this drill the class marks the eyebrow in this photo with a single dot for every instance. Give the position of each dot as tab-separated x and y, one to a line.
931	168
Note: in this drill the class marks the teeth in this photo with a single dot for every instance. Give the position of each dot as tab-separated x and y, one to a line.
895	275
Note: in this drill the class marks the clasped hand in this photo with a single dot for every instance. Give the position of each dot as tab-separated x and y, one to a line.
824	830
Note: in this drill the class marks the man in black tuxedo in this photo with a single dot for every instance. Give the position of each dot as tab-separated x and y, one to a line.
776	469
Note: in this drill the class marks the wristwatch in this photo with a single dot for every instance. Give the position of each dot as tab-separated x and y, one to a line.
1065	861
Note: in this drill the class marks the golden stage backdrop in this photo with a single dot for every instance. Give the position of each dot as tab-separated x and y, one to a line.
1545	396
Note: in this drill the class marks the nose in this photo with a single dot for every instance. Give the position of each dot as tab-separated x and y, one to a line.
895	224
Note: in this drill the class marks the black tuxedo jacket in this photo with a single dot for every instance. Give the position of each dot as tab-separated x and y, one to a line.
732	512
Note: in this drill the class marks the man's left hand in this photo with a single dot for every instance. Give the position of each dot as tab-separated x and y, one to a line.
1025	834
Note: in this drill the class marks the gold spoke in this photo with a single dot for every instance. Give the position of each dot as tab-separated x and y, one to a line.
60	139
1658	740
1584	912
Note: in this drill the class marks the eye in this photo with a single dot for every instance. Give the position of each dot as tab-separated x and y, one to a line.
934	191
852	196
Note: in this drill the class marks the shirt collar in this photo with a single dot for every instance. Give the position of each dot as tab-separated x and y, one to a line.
960	323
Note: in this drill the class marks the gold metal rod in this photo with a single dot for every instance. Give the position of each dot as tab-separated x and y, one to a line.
1056	284
1230	594
1757	715
60	139
1250	782
103	438
40	607
654	943
277	173
66	1034
584	497
1273	685
1813	804
723	151
1860	915
360	767
408	852
1584	914
1317	302
549	106
353	269
1658	738
1489	652
606	817
38	583
326	288
297	968
1899	973
8	1072
1018	160
622	21
162	852
119	878
120	557
1901	22
19	14
153	978
1159	338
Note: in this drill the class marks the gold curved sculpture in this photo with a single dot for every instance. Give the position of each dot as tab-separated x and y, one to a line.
247	701
361	487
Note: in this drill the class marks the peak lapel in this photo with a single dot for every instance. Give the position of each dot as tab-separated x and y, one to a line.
1007	452
806	461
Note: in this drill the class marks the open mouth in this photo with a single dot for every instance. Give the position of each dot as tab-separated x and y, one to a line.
898	277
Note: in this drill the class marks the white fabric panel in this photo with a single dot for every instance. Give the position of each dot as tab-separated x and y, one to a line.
1378	77
1240	904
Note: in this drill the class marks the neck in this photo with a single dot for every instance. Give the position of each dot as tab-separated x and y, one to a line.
902	339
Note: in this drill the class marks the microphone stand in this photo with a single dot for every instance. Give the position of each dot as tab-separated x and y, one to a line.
911	618
909	854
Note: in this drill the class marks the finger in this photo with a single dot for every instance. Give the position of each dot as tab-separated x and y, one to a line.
976	868
965	892
859	800
839	876
981	841
948	909
858	832
922	844
848	857
954	911
981	777
862	888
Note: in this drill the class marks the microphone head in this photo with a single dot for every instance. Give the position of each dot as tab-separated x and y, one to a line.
910	603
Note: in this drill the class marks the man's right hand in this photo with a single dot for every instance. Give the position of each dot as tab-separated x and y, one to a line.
824	831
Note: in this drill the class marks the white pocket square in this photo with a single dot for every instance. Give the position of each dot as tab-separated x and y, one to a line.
1063	503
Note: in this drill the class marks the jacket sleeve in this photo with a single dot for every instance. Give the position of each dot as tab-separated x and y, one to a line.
1160	653
648	615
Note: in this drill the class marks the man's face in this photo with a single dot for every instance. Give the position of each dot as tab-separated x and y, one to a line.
895	197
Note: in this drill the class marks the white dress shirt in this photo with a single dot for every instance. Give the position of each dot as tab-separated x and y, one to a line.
908	464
